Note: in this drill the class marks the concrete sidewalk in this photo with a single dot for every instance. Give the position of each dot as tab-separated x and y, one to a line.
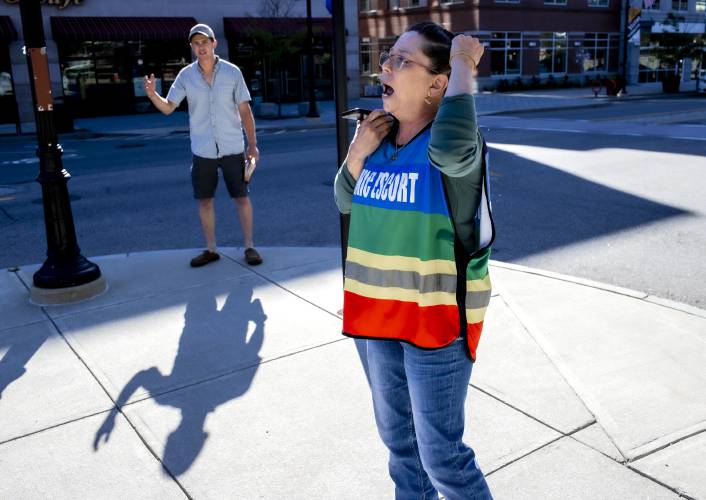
234	382
487	103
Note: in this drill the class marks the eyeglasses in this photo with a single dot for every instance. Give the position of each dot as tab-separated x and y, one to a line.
398	62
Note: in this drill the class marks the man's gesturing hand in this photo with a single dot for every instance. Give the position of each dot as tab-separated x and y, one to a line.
150	85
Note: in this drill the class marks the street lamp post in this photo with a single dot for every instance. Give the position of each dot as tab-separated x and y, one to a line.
65	266
313	113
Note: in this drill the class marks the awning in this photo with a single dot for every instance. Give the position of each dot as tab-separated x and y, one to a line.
80	29
8	33
239	27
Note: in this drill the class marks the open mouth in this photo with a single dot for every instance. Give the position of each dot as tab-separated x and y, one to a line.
387	90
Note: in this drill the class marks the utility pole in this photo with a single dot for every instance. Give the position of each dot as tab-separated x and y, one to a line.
313	113
64	267
629	27
341	96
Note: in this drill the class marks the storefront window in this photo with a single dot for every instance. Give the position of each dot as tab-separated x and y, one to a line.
273	78
505	53
652	69
368	5
595	52
6	88
8	104
366	58
651	4
553	53
405	4
106	77
682	5
700	5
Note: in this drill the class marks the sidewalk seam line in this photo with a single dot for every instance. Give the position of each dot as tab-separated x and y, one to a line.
282	287
28	323
60	424
667	445
657	481
569	435
529	331
147	296
115	405
606	287
536	419
228	373
6	214
624	462
533	332
515	460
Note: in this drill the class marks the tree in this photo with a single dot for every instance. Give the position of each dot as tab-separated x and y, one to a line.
279	42
277	8
673	46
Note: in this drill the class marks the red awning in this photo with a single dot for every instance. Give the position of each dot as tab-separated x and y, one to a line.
79	29
240	26
8	33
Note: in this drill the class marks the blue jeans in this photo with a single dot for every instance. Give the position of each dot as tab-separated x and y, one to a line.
418	397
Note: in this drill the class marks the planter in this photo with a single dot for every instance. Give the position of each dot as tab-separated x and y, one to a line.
670	83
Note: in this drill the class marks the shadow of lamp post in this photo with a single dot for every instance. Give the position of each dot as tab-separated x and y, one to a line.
65	268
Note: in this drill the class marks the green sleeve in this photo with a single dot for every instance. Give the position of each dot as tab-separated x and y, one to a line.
455	148
343	186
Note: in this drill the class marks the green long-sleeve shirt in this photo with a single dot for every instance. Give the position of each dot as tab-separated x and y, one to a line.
455	148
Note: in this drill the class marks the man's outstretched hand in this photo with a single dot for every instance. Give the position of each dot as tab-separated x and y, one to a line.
150	85
105	430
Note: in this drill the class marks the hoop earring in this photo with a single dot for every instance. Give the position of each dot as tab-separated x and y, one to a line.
427	99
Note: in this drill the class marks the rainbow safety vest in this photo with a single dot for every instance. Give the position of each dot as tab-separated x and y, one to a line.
407	277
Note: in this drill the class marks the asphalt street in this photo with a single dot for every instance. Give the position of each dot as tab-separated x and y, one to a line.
660	109
617	204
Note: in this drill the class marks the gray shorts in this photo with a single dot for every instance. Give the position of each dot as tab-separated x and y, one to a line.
204	176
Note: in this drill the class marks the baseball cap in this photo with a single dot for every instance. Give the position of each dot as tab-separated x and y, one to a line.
203	29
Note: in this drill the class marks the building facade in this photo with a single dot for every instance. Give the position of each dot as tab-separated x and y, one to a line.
523	38
99	51
690	19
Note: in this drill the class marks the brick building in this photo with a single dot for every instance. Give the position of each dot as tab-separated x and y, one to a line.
523	38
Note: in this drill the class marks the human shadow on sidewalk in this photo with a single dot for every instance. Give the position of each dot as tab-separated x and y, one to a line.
21	350
209	336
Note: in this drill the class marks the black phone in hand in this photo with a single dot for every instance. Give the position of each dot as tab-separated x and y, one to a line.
356	114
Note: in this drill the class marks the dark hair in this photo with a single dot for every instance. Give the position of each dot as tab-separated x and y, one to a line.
437	45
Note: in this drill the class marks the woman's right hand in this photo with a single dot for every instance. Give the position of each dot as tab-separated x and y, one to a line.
368	135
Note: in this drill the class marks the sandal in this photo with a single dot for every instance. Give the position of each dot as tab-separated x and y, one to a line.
252	257
204	258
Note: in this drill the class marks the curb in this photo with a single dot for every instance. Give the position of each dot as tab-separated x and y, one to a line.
601	101
635	294
86	134
627	292
543	109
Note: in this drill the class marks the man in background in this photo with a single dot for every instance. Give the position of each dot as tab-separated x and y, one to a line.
219	110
